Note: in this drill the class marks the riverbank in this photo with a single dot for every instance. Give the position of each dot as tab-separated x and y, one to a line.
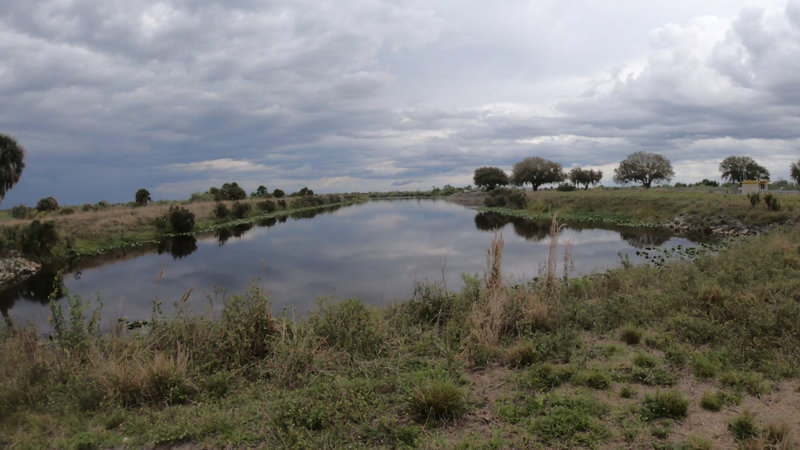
701	354
685	212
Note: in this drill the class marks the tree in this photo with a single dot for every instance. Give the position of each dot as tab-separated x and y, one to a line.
228	191
536	171
261	191
584	178
795	171
11	163
644	168
736	169
488	178
142	197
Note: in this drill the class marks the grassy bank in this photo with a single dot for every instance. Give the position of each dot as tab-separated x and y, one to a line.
695	354
658	207
106	227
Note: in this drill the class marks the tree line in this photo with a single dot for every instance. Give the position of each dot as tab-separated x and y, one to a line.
639	167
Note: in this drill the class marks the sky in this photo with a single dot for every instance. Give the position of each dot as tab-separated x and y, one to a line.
176	96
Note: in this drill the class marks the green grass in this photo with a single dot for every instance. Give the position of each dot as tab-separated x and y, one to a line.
352	375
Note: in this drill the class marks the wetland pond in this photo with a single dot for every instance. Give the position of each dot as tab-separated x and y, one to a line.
376	251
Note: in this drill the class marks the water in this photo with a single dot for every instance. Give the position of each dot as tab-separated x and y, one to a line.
375	251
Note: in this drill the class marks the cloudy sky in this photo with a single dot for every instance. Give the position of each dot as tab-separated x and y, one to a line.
175	96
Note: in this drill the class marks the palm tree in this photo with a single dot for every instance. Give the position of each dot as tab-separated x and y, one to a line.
11	163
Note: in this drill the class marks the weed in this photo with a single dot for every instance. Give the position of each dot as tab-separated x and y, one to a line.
668	404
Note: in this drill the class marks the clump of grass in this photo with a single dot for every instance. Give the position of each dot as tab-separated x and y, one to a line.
571	422
644	360
743	426
631	335
779	435
521	354
753	383
543	377
711	402
438	401
627	391
704	367
594	378
668	404
162	380
350	326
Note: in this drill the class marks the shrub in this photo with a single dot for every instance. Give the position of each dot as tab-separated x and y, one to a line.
504	197
20	211
546	376
267	205
565	187
754	198
47	204
281	203
180	219
438	400
744	426
670	404
240	210
772	202
221	210
38	238
631	335
66	211
278	193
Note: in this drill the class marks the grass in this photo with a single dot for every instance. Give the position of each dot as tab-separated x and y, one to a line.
530	365
96	229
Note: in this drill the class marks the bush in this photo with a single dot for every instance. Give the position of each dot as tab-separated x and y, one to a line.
281	203
180	219
754	198
221	210
267	205
565	187
19	211
772	202
278	193
240	210
66	211
38	238
504	197
47	204
438	400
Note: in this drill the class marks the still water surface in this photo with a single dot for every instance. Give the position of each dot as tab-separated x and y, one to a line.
375	251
